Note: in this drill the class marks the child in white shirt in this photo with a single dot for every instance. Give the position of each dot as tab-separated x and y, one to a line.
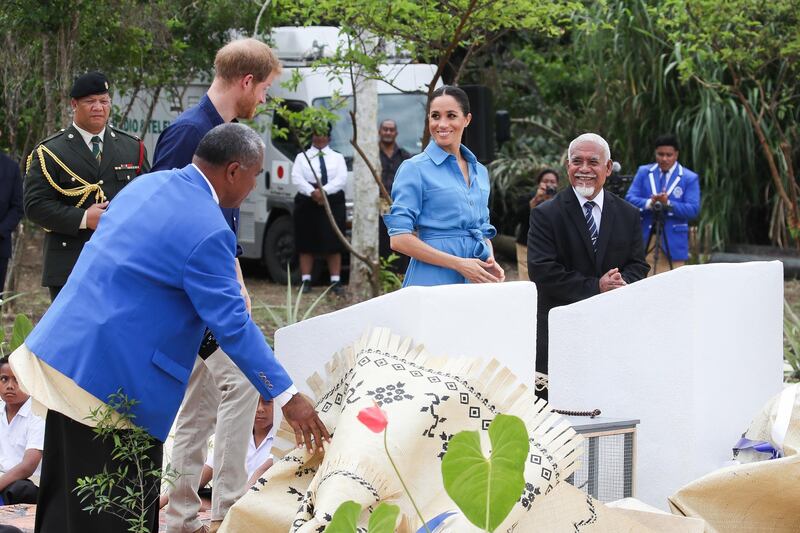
21	441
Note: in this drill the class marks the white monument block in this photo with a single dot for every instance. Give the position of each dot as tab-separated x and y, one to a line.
693	353
483	320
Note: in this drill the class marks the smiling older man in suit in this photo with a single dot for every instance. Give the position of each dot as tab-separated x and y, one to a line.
583	242
132	315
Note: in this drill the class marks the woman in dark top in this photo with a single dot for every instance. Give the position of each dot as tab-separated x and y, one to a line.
547	181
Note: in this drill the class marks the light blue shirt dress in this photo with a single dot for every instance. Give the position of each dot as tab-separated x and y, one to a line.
430	197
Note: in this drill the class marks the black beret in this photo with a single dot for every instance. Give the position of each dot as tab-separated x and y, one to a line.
89	83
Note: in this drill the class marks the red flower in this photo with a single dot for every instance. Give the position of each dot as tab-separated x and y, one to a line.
374	418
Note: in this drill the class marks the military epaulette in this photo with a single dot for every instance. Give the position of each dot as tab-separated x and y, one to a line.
123	132
53	136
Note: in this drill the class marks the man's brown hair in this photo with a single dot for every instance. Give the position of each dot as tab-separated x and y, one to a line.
241	57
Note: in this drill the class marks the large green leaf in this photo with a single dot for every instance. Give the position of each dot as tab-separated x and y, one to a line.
383	518
486	489
22	327
345	518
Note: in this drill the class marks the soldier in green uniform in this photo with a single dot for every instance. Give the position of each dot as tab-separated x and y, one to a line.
72	175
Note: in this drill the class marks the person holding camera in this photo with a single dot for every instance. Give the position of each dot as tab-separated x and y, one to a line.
547	185
668	197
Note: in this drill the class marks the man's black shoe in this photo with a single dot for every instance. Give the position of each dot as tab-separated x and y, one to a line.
305	287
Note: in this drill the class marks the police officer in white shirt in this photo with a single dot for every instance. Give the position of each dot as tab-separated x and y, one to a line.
314	236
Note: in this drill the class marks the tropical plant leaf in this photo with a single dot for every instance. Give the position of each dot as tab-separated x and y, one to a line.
383	518
486	489
22	327
316	302
345	518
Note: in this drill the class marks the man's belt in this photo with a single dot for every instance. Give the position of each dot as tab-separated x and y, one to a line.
481	249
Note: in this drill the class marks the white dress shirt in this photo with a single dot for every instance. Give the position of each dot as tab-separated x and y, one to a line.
256	455
335	165
24	432
87	137
597	210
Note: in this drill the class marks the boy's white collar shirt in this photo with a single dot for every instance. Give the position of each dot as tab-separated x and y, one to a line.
24	432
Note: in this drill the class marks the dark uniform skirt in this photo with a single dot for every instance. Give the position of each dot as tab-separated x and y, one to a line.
71	451
313	233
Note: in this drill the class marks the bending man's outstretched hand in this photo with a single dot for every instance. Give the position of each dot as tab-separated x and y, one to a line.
308	428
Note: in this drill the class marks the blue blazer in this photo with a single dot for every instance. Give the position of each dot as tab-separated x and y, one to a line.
683	187
157	270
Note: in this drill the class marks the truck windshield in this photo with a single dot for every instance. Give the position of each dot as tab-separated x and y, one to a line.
406	109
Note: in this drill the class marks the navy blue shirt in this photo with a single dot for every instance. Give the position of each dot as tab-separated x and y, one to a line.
177	143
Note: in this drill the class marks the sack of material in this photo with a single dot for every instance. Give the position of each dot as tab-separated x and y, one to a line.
761	495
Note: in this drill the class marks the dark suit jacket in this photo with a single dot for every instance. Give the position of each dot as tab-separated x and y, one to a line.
560	257
122	160
10	202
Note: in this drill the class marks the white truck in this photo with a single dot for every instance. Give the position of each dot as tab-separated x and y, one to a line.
266	228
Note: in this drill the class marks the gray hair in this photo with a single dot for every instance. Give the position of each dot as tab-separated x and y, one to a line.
231	142
592	138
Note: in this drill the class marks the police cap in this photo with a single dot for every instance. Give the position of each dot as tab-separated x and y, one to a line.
89	83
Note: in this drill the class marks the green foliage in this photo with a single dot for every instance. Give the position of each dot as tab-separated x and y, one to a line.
290	312
748	53
129	491
384	518
486	489
20	329
513	175
791	340
345	519
390	280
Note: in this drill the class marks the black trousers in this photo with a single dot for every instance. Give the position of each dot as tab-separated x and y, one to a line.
54	291
72	450
20	491
3	271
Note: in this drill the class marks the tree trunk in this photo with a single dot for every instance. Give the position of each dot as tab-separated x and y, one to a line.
47	83
366	207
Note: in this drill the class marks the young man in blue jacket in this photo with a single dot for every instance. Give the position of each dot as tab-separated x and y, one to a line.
666	193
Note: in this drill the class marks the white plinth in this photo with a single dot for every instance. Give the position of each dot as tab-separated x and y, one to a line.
693	353
491	320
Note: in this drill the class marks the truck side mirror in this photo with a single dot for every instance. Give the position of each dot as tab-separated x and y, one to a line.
502	127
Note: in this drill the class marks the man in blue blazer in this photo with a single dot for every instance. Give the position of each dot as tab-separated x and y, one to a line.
159	268
671	191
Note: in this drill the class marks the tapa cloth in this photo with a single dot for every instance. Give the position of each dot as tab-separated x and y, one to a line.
759	496
427	399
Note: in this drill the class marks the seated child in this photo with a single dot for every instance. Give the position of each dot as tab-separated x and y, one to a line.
21	441
259	458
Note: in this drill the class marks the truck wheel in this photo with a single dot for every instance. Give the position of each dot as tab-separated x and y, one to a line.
279	250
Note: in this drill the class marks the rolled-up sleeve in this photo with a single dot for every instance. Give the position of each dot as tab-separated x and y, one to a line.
406	200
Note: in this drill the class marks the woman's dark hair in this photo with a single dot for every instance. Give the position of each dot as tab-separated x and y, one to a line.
540	176
4	361
456	92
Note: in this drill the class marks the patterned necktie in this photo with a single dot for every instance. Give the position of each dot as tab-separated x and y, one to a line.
587	209
323	170
663	183
96	152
